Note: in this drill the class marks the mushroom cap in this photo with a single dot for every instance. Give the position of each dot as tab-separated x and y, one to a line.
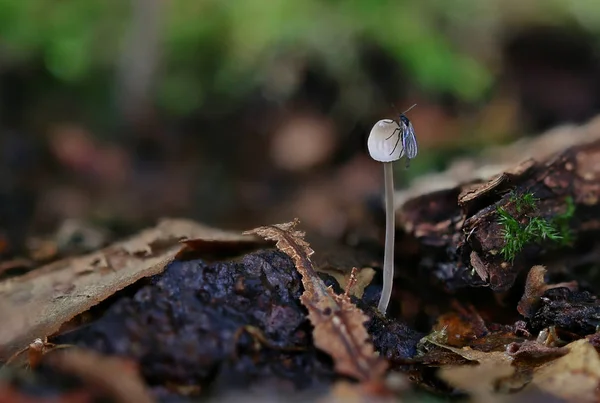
383	138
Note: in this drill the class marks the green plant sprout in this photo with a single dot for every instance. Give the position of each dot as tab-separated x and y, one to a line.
537	229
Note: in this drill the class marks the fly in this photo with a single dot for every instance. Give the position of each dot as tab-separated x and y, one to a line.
406	133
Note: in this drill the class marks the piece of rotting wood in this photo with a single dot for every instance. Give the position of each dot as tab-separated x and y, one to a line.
461	226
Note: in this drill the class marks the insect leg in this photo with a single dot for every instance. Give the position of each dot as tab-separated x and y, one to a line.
395	130
395	146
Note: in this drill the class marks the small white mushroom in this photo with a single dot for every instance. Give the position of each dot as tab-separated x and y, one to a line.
382	142
383	147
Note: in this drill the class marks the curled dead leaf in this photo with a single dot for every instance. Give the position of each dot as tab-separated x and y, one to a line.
338	324
362	279
535	287
534	350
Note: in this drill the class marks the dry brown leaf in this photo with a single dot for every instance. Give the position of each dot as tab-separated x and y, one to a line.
338	324
107	376
574	377
478	380
476	355
461	326
218	243
36	304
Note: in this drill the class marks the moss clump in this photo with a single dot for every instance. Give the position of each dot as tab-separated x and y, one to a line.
534	229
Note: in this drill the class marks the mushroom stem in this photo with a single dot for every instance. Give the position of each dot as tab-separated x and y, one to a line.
390	221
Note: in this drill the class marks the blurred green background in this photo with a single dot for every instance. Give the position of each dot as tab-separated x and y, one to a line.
238	113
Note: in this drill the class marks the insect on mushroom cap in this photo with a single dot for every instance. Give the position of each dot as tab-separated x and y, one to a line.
383	140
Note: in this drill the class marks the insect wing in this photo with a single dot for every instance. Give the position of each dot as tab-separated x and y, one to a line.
409	141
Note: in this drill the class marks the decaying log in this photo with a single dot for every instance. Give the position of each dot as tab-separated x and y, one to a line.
497	159
461	227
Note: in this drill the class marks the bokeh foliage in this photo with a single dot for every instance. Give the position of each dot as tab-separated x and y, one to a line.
228	47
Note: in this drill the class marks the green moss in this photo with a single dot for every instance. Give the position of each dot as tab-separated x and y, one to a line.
526	201
532	229
562	222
